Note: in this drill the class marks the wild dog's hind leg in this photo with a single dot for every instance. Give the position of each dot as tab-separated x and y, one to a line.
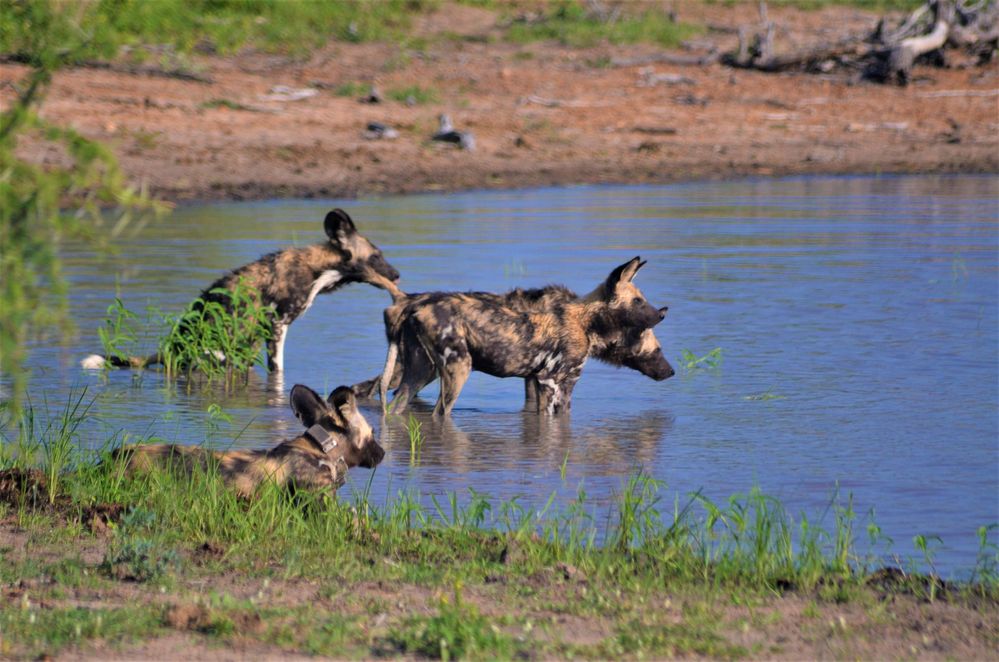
418	369
454	373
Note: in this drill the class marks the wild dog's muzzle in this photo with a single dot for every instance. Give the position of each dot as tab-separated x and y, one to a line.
372	455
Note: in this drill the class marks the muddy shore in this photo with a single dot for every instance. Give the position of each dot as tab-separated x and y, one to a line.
541	113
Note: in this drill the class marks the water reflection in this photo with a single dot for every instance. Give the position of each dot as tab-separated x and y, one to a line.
476	441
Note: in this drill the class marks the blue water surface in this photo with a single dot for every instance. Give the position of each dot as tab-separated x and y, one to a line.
856	319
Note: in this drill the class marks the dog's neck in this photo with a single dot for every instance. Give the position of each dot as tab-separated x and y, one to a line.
598	318
321	437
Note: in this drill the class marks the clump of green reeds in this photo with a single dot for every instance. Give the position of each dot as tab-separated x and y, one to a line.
219	336
118	331
41	440
414	428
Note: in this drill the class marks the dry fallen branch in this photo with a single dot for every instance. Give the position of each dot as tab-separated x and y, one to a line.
886	55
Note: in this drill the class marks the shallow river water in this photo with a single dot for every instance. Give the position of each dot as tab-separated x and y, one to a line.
856	320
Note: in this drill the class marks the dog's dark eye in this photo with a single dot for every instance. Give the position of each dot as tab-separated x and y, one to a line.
637	301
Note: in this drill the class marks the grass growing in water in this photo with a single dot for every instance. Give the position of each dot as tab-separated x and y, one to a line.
118	330
415	432
710	361
218	337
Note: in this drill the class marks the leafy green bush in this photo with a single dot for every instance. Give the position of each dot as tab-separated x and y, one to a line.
135	557
43	205
219	336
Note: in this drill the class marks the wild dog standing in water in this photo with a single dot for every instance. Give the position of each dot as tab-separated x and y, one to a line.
638	349
337	437
290	280
458	333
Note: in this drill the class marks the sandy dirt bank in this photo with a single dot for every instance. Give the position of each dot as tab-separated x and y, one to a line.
541	114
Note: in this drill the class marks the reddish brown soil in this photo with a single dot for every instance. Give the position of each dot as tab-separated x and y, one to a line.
541	114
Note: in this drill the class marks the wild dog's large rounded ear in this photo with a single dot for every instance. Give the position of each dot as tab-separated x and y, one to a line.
307	405
342	399
338	225
623	274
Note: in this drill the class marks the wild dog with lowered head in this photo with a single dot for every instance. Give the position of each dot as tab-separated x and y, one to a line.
290	280
638	349
337	437
460	332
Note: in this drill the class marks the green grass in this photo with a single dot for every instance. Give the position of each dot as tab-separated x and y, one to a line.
481	568
36	632
692	362
456	631
415	432
219	337
225	26
570	23
228	104
351	89
415	94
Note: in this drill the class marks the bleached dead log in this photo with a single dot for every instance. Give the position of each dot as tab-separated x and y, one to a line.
886	55
902	55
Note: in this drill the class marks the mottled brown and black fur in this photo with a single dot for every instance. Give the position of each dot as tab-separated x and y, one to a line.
460	332
296	463
289	280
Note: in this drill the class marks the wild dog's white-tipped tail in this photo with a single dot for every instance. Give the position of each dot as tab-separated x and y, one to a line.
94	362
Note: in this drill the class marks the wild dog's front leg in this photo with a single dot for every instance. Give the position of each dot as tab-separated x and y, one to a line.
555	394
386	378
275	347
530	394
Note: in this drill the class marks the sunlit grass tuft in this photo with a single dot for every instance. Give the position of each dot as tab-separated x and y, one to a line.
571	23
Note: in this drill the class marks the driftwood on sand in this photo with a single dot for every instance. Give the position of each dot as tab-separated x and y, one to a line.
940	32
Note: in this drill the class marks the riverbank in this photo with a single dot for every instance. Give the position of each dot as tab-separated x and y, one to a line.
101	566
257	125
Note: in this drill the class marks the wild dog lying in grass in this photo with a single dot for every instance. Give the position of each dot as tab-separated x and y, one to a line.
337	437
287	283
455	333
638	349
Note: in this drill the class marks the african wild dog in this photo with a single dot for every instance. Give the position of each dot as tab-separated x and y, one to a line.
289	280
337	437
637	349
458	332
